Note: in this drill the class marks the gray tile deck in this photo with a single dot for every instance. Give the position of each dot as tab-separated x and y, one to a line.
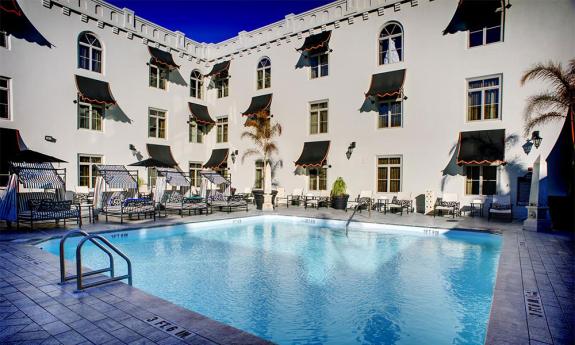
34	309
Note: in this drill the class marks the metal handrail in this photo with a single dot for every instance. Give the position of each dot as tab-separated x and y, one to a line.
359	204
63	277
91	238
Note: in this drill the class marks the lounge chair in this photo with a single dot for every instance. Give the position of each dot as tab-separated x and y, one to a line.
281	196
448	203
317	201
118	205
248	195
231	202
296	196
43	206
501	207
175	201
365	199
402	201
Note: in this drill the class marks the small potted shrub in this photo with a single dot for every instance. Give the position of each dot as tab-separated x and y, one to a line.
338	194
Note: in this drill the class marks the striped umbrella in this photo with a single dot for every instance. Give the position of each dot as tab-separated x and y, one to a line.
8	201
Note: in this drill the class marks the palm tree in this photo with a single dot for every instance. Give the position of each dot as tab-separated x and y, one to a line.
261	132
555	104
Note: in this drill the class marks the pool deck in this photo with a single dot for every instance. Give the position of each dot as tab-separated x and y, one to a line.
533	301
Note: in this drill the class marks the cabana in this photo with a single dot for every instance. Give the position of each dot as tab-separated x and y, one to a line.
40	190
220	197
177	199
115	193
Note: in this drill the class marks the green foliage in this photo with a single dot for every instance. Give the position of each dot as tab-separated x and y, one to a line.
339	187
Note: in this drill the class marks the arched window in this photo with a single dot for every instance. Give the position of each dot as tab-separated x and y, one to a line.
196	84
89	52
391	44
264	73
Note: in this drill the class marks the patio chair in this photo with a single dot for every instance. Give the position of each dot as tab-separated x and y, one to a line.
365	197
317	201
501	207
248	195
296	197
229	203
34	207
449	203
402	201
281	196
381	202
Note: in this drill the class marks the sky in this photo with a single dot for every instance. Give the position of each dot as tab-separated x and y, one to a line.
216	20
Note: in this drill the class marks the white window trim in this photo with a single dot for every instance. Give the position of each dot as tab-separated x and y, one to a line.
199	178
400	100
499	112
9	88
191	123
318	117
199	85
158	127
318	177
484	35
157	87
90	49
497	180
379	39
90	105
221	124
377	165
317	56
218	88
266	70
90	164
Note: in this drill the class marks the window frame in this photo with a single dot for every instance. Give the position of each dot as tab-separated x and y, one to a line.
266	71
196	133
484	34
91	170
194	172
222	129
481	180
483	89
317	112
259	169
388	178
317	57
91	52
8	90
314	182
160	71
157	117
90	116
197	79
222	86
389	113
380	39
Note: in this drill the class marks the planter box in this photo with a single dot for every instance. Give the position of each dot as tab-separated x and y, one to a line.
259	198
339	202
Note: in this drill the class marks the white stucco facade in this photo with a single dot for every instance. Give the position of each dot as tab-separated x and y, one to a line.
43	89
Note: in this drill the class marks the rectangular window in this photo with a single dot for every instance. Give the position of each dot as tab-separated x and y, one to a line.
3	39
4	98
90	116
318	118
319	65
152	176
259	182
222	130
389	174
483	98
480	180
222	85
195	177
156	123
486	35
158	77
87	169
317	178
390	113
196	134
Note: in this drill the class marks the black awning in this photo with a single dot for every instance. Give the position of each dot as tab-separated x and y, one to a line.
386	84
31	156
162	153
316	42
162	58
259	104
219	70
14	22
200	114
481	147
218	158
314	154
150	163
475	15
94	91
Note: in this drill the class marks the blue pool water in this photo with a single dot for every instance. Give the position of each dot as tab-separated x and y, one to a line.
294	282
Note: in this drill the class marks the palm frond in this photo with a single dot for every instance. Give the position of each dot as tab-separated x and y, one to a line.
551	72
545	102
250	152
541	119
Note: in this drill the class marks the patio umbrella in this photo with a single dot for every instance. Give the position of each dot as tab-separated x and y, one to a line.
31	156
151	163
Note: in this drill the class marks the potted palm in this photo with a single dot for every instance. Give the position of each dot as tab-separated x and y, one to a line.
339	196
261	132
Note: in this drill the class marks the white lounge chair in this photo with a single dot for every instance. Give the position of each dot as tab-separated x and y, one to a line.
449	203
365	197
281	196
400	202
296	197
501	206
316	200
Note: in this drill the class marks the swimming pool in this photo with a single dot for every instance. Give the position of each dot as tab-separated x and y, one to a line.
297	280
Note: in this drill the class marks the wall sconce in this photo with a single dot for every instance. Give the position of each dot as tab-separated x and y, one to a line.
350	150
132	147
536	139
527	146
234	155
50	138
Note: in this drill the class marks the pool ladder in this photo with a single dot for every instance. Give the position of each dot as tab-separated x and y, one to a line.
357	207
104	245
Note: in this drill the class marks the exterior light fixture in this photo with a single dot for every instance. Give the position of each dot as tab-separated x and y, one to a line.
234	155
536	139
350	150
132	147
50	138
527	146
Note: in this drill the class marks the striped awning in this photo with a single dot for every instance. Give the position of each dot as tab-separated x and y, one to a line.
174	177
117	176
162	58
38	175
215	178
316	43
